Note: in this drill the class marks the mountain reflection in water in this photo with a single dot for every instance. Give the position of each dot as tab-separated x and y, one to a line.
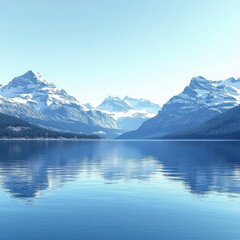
28	167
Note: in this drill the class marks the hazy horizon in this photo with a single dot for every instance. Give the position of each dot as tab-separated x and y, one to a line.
143	49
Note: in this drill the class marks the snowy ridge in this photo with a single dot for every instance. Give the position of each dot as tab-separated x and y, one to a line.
129	113
202	93
32	89
34	99
199	102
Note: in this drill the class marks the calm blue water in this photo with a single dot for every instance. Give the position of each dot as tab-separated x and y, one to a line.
119	190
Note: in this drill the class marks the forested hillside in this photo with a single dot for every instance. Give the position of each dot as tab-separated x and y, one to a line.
13	127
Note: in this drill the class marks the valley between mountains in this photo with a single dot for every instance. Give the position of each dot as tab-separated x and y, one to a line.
205	109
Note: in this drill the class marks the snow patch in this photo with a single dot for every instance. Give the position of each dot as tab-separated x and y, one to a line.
17	129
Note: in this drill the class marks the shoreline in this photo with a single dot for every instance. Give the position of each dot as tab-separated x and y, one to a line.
120	140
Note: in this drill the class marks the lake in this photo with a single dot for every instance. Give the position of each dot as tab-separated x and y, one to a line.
119	190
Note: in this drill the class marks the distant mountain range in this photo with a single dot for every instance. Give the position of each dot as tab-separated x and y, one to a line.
31	98
205	109
128	112
13	127
188	113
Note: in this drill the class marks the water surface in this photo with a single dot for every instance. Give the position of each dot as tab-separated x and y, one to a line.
119	190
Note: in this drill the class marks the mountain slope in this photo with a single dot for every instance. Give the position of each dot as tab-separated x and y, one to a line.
199	102
35	100
12	127
129	113
223	126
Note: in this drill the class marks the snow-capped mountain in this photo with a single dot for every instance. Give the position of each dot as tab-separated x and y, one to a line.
142	104
129	113
33	90
199	102
88	106
114	104
34	99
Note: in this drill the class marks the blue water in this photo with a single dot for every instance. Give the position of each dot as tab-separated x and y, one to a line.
119	190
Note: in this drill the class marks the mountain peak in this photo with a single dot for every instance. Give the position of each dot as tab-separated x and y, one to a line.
232	82
29	80
198	79
34	74
31	75
31	72
113	98
199	83
126	98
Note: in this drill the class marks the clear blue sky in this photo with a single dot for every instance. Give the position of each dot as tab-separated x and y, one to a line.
140	48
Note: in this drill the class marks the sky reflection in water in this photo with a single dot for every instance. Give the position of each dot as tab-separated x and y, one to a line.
119	190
